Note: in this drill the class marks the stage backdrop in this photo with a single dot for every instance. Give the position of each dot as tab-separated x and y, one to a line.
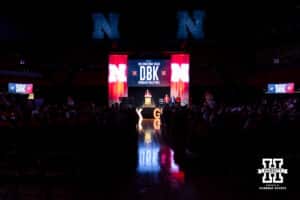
160	73
148	73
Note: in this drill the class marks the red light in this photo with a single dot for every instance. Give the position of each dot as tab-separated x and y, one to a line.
29	88
290	88
179	176
134	73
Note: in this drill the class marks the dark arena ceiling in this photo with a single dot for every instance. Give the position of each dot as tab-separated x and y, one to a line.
61	31
63	22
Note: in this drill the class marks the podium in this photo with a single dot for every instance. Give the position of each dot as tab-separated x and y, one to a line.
148	106
148	100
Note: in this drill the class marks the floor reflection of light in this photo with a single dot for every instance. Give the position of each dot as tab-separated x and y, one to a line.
174	166
139	113
175	170
148	137
148	159
156	124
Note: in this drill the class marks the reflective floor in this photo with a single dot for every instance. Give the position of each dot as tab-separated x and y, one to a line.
160	177
157	173
86	169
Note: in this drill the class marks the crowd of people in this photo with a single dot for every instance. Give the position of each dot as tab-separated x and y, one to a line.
42	138
203	130
19	112
186	127
268	111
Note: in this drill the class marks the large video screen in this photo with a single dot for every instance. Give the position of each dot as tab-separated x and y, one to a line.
281	88
149	73
130	78
20	88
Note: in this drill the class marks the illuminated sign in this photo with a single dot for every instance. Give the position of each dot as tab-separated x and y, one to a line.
20	88
149	73
153	73
156	122
192	25
103	26
180	77
156	113
173	73
188	25
281	88
117	78
117	73
180	72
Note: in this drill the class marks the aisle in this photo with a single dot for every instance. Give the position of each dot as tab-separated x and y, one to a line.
158	176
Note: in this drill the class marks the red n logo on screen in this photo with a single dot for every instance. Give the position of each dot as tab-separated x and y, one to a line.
117	78
180	64
117	73
180	72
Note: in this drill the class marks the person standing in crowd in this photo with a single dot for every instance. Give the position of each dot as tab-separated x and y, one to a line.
166	99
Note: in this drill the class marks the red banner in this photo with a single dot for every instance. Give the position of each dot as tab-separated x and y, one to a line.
180	77
117	78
